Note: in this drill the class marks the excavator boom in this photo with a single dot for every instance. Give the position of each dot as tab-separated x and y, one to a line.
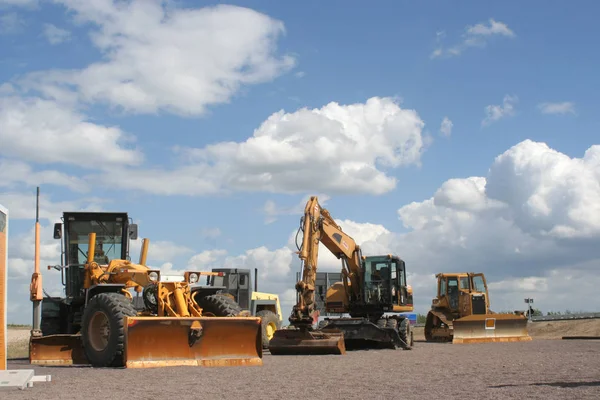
301	338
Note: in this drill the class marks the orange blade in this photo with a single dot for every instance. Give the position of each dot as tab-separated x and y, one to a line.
56	350
304	342
490	328
164	341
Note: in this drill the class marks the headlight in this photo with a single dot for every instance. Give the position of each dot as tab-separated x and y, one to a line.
193	277
153	276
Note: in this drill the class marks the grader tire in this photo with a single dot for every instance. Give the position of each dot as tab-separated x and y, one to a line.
270	323
102	330
219	305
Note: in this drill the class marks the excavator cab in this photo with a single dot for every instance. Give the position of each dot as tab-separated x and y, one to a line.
385	287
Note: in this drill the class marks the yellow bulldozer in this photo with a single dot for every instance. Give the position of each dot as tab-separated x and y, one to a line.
460	313
116	313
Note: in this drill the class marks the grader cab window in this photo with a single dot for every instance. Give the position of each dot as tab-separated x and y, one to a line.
109	238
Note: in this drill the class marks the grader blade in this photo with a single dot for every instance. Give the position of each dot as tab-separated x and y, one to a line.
56	350
490	328
192	341
305	342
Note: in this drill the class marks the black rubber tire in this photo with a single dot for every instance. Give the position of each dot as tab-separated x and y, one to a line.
115	306
381	323
406	333
267	317
219	305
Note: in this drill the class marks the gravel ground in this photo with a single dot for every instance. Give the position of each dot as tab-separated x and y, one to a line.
540	369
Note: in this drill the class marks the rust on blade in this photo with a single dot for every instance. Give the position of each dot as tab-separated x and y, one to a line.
490	328
305	342
56	350
194	341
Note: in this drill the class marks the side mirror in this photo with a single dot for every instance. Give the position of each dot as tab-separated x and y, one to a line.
57	230
133	231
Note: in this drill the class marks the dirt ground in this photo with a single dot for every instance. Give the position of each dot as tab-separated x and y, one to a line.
540	369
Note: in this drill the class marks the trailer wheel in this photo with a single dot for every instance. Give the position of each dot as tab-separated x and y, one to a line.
102	330
219	305
270	323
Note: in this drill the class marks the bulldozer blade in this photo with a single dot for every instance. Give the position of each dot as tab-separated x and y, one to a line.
192	341
56	350
305	342
490	328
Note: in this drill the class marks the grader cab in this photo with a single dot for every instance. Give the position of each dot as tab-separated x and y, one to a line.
116	313
461	313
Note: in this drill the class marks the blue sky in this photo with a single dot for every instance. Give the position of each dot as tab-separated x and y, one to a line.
509	57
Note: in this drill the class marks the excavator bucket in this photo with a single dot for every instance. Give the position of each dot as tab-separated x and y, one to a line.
192	341
490	328
305	342
56	350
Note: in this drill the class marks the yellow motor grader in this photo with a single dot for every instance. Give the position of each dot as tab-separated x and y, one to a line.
460	313
117	313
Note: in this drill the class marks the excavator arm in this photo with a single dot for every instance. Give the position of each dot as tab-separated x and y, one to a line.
319	227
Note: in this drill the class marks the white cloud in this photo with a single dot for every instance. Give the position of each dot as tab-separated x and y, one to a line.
271	209
11	23
474	36
158	251
56	35
566	107
22	205
334	149
161	58
45	131
211	233
494	113
446	127
13	172
532	222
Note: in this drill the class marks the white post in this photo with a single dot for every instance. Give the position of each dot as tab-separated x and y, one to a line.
3	287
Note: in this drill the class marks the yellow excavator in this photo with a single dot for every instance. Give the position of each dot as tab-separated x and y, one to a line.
117	313
372	288
460	313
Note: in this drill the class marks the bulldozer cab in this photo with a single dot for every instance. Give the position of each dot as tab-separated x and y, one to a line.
463	294
385	284
113	232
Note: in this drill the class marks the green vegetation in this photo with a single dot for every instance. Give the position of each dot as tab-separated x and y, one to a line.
18	326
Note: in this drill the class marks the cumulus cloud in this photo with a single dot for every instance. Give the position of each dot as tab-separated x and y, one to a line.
56	35
332	149
532	221
44	131
566	107
272	210
16	172
495	113
21	205
161	58
446	127
474	36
